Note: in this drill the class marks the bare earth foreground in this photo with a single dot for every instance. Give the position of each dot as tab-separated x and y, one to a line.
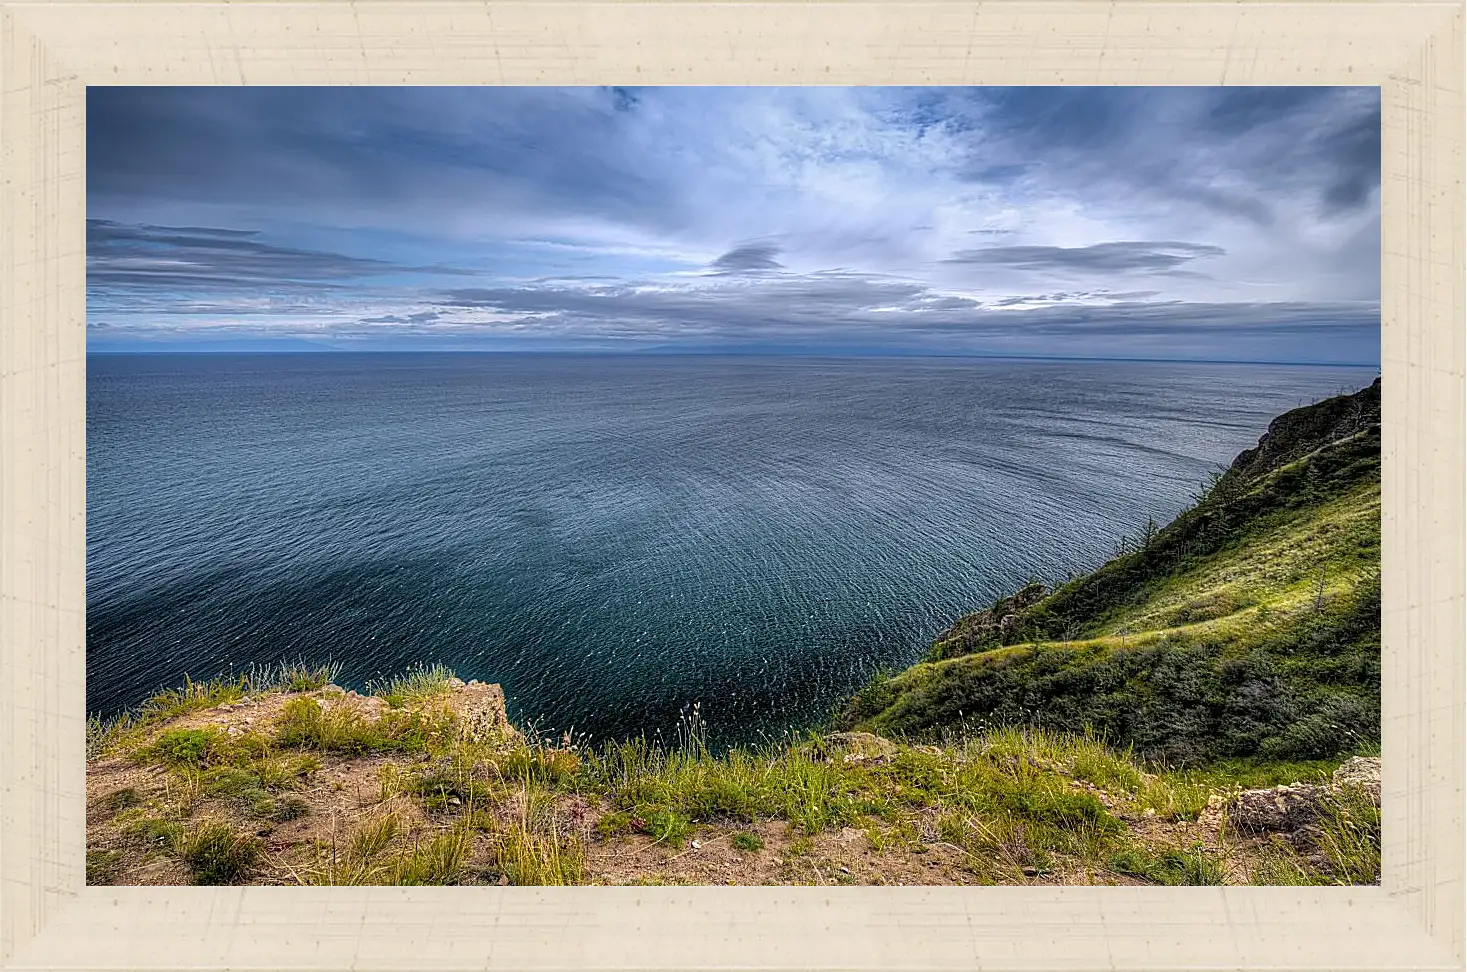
426	782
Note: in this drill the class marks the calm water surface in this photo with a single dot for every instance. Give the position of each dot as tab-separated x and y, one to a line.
613	538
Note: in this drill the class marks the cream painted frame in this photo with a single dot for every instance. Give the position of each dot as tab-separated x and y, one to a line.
49	51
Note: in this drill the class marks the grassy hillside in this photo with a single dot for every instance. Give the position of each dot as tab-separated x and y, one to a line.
1248	627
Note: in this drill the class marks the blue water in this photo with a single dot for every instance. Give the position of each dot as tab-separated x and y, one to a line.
613	538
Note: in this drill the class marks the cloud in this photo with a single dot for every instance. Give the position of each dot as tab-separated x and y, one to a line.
193	258
913	217
422	317
748	257
850	307
1121	257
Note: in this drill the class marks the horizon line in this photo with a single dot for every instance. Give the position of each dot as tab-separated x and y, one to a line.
745	354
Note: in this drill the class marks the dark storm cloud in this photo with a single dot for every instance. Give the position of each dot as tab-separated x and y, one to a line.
1234	150
1120	257
120	256
434	150
748	257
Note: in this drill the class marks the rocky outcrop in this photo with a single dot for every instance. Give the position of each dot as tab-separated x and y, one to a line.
986	628
1294	809
1278	809
853	747
1362	772
480	706
1302	430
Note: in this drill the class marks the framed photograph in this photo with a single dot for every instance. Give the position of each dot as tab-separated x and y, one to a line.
754	485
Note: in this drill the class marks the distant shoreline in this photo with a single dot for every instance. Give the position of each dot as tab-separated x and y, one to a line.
222	352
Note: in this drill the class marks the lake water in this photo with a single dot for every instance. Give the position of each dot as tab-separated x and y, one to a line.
614	538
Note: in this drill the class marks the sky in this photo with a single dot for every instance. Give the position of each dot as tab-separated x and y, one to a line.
1224	224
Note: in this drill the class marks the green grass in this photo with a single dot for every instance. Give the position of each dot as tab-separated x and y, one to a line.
303	677
747	842
215	853
103	866
344	727
358	860
1302	685
1169	866
118	800
155	832
1017	802
190	747
435	860
126	730
526	857
1350	838
414	685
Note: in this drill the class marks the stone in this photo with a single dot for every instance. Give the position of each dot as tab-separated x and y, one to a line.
1279	809
481	710
1363	773
862	743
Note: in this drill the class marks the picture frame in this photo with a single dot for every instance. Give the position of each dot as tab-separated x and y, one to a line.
50	52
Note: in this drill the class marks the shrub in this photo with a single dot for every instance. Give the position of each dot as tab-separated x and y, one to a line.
666	826
189	748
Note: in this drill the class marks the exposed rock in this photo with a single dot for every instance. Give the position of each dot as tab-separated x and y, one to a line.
987	628
862	745
480	708
1294	809
1302	430
1362	772
1279	809
372	705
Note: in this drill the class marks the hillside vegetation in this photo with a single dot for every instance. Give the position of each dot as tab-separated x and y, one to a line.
1143	724
1248	627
